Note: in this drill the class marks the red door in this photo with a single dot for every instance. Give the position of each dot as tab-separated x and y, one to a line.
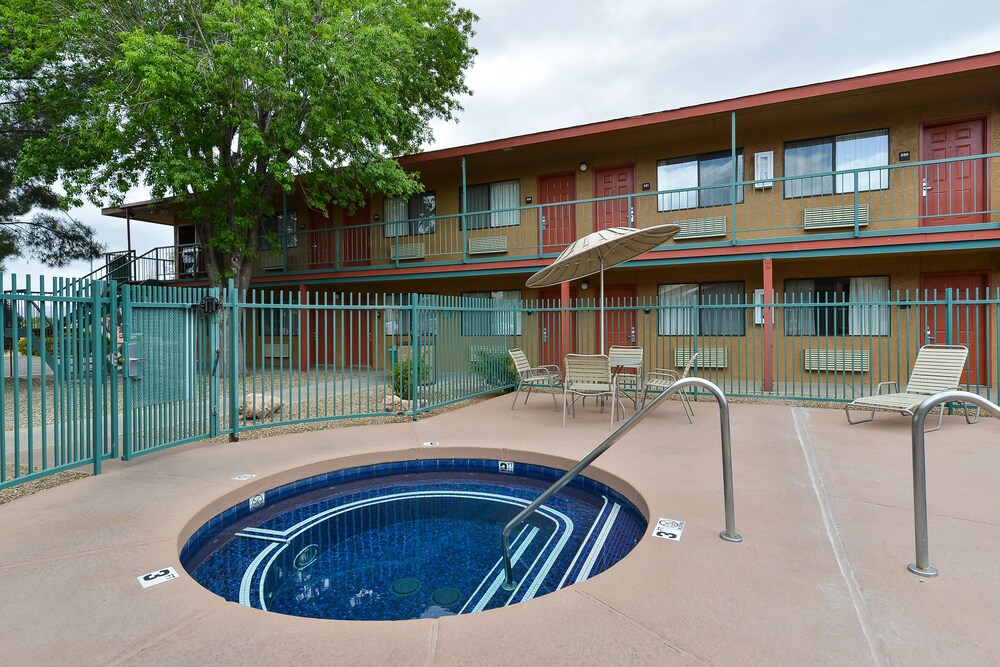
357	328
619	317
559	222
357	239
968	325
550	328
613	182
321	241
954	193
318	327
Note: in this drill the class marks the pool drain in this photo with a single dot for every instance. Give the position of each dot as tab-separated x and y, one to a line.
306	557
446	596
405	586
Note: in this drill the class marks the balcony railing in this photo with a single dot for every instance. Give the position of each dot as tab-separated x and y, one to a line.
934	196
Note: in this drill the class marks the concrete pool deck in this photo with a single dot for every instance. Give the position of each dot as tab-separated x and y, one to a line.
825	510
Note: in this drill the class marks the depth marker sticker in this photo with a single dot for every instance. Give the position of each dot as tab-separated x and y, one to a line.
157	577
245	476
257	502
506	466
431	443
669	529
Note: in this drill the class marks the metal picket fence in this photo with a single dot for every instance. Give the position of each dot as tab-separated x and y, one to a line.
96	369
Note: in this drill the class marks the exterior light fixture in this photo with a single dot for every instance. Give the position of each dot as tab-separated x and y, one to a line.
584	285
584	166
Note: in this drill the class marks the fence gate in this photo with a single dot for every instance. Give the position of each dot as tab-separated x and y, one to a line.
171	366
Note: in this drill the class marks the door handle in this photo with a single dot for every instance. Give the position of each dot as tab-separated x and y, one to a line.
545	335
927	188
631	335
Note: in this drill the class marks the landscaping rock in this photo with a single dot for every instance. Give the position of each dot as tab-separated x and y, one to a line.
396	404
259	406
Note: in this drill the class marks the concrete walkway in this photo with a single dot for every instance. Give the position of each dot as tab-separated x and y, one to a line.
825	511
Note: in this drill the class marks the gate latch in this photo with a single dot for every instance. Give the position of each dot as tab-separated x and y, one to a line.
132	360
209	305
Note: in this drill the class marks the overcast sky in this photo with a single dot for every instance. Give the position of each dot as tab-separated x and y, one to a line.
546	64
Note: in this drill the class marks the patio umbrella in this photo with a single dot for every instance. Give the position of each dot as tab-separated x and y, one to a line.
601	250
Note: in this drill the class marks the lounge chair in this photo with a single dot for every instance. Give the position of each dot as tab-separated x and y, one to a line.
661	379
937	368
529	376
588	375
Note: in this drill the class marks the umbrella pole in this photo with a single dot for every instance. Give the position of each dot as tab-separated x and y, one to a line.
602	306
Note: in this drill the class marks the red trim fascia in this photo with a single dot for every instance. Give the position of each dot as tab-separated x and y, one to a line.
773	249
777	249
794	94
407	270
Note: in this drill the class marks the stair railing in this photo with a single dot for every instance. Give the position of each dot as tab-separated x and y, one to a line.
922	565
729	534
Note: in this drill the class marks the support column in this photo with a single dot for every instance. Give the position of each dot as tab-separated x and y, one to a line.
768	274
564	321
306	329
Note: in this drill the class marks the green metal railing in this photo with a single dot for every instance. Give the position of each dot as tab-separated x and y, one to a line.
199	363
855	203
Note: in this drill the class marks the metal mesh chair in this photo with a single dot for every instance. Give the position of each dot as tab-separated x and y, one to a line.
588	375
661	379
530	377
937	368
626	368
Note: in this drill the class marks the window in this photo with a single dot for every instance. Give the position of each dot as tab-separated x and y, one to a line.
496	315
412	216
708	309
844	307
279	322
278	231
489	197
861	150
700	171
399	319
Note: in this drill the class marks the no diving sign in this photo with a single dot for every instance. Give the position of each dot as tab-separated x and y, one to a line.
669	529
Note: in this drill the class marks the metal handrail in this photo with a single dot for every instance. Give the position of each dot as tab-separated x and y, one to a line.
729	534
922	565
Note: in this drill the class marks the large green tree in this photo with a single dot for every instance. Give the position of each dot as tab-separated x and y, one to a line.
226	103
33	222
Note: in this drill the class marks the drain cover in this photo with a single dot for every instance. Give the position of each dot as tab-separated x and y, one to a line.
446	596
405	586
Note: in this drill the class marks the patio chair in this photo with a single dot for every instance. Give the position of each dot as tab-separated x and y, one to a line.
661	379
937	368
626	367
589	375
529	376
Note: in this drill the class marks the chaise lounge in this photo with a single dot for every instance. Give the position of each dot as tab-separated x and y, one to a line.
937	368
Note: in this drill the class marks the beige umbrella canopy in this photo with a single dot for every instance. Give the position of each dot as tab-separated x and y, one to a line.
601	250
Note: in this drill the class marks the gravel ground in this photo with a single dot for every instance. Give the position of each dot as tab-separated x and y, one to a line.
36	485
356	401
42	391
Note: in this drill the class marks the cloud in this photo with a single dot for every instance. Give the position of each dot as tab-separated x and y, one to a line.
547	64
558	63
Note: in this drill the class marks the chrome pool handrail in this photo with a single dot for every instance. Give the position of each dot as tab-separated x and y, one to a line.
922	565
729	534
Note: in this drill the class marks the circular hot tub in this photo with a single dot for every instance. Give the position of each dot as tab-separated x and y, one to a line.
412	539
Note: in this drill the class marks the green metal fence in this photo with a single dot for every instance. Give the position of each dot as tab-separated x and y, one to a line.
801	346
60	403
111	370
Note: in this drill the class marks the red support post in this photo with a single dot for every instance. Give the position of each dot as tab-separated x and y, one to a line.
768	273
